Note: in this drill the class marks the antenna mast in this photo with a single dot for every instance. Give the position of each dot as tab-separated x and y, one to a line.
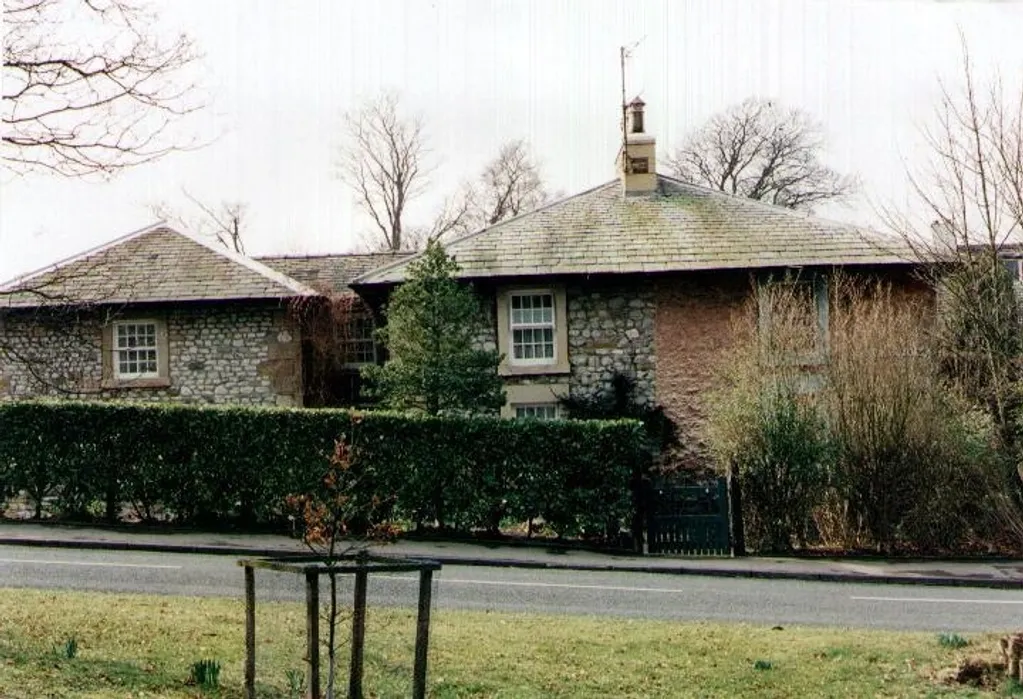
623	53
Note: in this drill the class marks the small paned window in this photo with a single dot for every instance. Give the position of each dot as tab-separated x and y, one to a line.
135	350
533	327
537	411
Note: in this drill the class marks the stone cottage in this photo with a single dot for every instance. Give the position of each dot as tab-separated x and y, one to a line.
642	275
154	315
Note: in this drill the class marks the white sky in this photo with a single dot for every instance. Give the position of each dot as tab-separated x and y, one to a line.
481	72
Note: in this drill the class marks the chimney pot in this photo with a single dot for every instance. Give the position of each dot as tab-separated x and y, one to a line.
638	165
636	115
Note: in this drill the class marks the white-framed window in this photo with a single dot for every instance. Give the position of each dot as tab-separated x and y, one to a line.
359	344
533	326
136	350
537	411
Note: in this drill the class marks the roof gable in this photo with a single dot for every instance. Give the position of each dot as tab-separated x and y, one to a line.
681	227
153	264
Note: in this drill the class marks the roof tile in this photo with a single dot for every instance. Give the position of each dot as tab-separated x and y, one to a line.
680	227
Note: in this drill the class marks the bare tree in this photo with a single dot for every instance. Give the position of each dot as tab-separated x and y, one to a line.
511	184
88	87
760	150
972	191
224	222
383	160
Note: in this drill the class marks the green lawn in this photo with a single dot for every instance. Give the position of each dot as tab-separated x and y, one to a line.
143	646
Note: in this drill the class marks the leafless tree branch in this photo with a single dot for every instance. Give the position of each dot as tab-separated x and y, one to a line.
971	192
383	159
224	222
88	88
760	150
510	184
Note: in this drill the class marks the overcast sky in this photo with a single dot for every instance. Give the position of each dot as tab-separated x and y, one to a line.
280	74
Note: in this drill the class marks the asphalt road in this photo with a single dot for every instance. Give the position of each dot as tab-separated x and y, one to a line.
770	602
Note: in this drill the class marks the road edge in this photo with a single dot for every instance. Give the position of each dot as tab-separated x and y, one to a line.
680	569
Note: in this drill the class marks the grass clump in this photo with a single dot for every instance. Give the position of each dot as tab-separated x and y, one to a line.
67	650
952	640
205	674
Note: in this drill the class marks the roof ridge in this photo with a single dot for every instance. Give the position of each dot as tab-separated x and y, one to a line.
319	255
469	236
14	283
250	263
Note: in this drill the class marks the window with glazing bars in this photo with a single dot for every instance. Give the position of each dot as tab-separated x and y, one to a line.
532	328
135	350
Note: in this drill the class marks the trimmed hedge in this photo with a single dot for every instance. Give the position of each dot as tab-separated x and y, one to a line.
214	464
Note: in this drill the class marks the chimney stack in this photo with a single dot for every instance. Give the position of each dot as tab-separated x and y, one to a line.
638	166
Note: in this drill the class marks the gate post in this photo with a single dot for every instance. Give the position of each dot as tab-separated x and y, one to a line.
735	513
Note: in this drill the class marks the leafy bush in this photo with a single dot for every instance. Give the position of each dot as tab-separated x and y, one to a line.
213	464
783	466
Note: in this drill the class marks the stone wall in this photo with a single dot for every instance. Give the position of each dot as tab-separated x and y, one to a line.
610	329
230	354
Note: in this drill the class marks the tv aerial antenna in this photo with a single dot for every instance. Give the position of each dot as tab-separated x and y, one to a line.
625	52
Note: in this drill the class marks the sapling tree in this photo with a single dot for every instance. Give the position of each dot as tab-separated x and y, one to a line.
339	521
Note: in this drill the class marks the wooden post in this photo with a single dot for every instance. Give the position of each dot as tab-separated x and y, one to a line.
358	635
312	632
250	633
422	634
735	513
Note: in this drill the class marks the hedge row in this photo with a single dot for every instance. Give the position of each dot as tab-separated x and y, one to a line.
209	464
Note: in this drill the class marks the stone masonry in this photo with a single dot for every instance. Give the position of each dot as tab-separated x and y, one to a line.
228	354
610	329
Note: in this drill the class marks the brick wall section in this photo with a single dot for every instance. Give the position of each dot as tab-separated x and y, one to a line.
695	322
223	354
697	318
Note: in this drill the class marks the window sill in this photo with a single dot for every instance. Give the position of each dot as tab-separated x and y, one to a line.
159	382
533	369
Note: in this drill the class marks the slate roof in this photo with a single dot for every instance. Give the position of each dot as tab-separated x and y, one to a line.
680	227
329	273
156	263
